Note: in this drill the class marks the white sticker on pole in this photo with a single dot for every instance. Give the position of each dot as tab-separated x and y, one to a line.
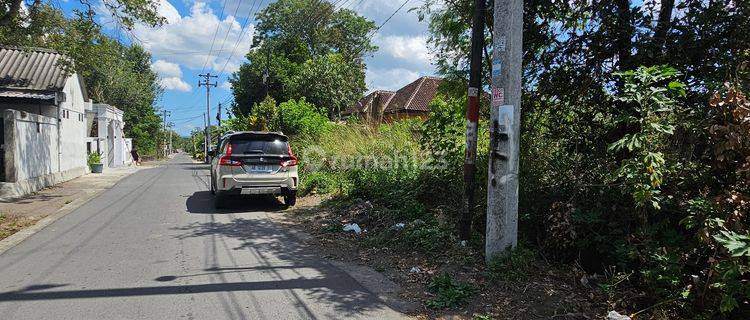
498	96
506	115
473	92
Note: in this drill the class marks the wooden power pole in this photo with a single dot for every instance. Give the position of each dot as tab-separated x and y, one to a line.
505	121
472	116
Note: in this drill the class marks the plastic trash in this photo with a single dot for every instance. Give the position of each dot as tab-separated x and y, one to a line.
614	315
353	227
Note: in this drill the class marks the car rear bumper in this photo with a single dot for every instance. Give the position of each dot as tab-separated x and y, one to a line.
247	190
260	185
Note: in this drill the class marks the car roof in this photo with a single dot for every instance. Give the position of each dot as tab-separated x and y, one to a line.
256	133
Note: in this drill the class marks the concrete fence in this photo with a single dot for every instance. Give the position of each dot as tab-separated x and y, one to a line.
32	159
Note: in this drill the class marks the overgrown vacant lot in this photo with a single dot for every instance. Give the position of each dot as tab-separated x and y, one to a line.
449	280
629	220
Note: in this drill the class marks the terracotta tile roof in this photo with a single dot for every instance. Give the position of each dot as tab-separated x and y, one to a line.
415	96
31	69
364	104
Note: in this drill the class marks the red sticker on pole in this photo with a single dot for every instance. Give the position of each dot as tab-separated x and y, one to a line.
472	112
498	96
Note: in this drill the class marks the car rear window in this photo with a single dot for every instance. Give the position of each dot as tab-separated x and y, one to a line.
260	145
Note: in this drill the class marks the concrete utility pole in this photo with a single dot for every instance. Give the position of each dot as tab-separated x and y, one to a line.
165	114
472	116
206	82
505	121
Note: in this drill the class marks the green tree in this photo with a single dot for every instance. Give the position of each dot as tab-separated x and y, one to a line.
125	12
295	39
330	82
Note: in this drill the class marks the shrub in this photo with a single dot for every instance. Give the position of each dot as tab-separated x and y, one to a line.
94	158
427	237
449	293
513	267
301	118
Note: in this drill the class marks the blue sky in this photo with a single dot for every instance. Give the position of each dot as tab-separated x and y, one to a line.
185	47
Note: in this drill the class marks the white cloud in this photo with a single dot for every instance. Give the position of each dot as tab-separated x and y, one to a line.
389	79
187	40
166	69
226	85
410	49
175	83
168	11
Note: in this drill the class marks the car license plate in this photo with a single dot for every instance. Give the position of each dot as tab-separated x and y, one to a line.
259	168
259	190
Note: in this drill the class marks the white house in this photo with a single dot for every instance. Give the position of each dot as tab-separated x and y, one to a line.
43	108
106	136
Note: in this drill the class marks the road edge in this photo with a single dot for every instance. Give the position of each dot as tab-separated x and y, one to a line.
18	237
378	284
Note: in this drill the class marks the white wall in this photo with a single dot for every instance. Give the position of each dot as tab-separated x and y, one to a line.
33	152
72	127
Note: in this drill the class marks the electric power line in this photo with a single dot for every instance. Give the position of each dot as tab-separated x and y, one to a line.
210	51
242	35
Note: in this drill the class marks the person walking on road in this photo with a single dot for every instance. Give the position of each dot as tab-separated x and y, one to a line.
136	158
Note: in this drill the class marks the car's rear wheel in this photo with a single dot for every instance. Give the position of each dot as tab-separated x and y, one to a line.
290	199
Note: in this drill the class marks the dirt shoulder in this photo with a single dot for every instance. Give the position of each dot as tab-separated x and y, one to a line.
535	289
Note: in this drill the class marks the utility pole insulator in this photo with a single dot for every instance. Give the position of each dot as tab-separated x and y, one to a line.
505	122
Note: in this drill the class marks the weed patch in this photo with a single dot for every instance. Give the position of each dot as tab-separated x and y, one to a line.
10	224
449	293
514	267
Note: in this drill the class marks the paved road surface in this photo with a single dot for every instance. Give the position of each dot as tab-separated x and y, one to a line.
153	247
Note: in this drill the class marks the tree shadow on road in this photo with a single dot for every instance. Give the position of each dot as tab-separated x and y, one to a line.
279	249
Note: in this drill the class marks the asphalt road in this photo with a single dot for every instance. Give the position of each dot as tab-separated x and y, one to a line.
153	247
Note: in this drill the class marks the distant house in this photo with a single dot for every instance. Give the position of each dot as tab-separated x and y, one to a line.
43	107
370	108
413	100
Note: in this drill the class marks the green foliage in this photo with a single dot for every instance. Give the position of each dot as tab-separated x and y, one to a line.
737	244
514	266
427	237
330	82
311	50
94	158
449	293
443	132
650	109
262	118
300	118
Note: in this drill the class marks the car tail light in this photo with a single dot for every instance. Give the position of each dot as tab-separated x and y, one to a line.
226	160
291	162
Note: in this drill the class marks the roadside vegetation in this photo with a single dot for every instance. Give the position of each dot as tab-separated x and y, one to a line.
10	224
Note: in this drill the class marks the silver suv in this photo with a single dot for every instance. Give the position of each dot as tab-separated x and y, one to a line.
252	163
